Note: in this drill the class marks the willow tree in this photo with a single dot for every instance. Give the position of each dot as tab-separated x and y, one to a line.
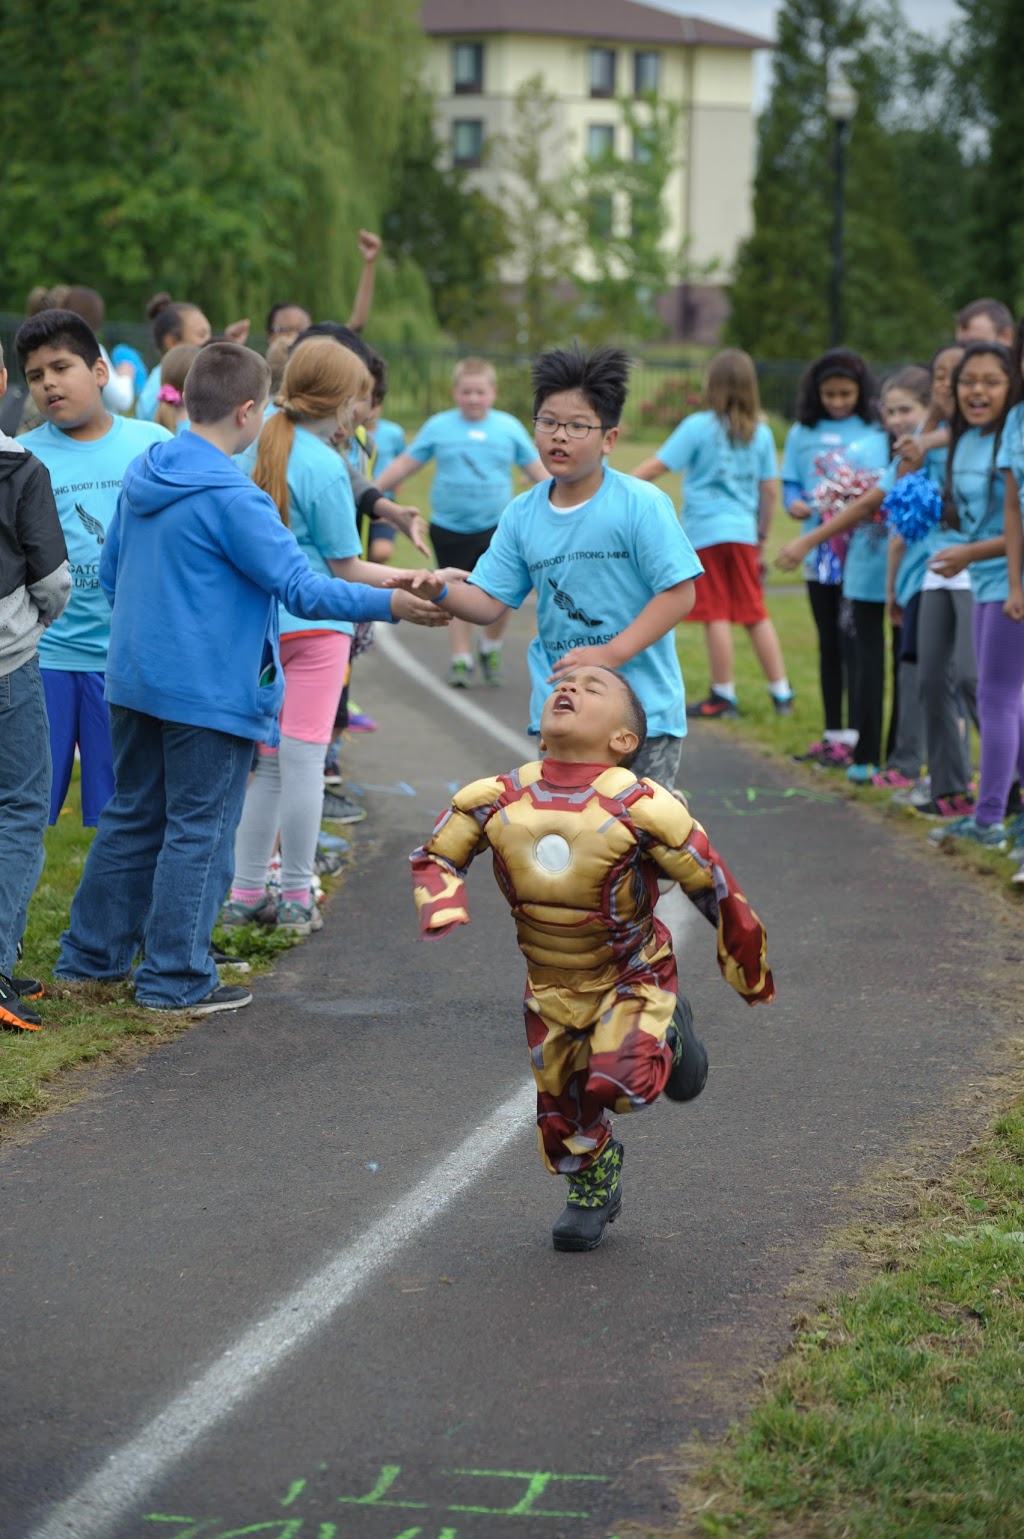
227	150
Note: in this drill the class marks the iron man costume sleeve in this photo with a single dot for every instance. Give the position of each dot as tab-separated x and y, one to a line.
577	851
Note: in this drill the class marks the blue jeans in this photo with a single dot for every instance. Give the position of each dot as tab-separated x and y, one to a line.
24	799
160	865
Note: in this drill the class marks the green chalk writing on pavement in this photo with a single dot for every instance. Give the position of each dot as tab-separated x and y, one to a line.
522	1502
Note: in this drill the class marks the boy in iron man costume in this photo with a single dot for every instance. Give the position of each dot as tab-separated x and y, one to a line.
578	844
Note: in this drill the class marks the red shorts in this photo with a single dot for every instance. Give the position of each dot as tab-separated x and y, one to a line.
731	586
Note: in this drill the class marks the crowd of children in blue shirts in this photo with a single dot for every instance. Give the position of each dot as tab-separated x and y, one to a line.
198	768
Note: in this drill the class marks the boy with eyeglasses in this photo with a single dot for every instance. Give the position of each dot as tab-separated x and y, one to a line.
612	569
476	449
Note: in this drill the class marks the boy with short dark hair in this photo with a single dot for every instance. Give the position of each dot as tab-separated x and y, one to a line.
579	842
476	449
34	587
87	450
611	567
194	564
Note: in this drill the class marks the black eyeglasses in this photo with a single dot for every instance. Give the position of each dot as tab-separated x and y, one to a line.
575	429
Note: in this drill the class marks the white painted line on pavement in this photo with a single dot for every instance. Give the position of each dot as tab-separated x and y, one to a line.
130	1473
520	744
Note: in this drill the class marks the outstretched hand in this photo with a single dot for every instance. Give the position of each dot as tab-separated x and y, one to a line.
420	582
406	606
405	518
425	585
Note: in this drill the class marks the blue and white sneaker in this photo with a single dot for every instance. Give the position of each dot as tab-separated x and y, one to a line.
990	836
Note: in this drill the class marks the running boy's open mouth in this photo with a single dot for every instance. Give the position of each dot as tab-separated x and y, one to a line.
564	702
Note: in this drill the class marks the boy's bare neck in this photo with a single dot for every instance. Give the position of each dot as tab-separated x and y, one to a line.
569	494
222	435
88	432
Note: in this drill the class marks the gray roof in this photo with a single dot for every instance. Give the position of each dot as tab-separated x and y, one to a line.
621	21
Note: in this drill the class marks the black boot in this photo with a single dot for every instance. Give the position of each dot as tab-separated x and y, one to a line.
595	1197
689	1056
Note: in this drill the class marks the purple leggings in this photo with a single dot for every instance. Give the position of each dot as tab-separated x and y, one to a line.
999	648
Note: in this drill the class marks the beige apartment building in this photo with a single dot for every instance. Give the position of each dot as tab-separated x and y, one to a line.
590	54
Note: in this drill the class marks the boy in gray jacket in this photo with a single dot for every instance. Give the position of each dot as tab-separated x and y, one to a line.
35	584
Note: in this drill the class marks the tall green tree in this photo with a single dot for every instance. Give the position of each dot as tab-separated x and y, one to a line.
780	294
449	229
542	214
227	150
621	206
990	46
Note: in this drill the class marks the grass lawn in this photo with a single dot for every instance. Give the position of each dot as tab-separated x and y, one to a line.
82	1022
899	1412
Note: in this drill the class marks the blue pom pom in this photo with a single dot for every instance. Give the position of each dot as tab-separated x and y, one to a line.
913	506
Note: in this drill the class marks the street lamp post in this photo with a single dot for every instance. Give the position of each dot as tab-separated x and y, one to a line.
840	104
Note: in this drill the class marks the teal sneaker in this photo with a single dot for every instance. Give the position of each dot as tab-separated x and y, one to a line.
862	774
234	915
296	918
990	836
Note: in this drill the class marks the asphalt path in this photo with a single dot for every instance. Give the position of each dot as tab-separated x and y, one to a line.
292	1275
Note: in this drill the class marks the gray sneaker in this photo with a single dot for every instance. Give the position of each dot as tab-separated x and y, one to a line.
327	863
226	996
917	795
460	674
339	808
489	659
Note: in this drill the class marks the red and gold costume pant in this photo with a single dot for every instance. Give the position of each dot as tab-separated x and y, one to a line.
619	1064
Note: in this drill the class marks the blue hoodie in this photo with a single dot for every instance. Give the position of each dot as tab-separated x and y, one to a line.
194	564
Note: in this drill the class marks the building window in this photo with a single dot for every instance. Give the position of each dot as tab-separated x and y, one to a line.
600	216
600	141
646	72
602	72
467	141
468	68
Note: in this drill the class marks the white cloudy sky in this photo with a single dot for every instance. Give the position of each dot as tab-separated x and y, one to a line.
932	17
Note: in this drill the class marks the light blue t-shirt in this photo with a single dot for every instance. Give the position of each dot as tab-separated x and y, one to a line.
594	568
322	517
86	481
978	491
389	440
146	400
473	480
1011	448
721	479
862	444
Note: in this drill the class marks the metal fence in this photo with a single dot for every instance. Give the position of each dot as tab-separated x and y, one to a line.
663	385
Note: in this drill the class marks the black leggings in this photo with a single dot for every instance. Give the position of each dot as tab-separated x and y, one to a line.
833	650
867	680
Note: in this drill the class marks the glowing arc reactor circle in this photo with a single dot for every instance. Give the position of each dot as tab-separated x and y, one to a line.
552	853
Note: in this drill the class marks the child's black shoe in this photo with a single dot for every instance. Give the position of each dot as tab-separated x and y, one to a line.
689	1056
15	1013
595	1197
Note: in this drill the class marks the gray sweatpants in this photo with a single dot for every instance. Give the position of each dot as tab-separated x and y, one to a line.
948	682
